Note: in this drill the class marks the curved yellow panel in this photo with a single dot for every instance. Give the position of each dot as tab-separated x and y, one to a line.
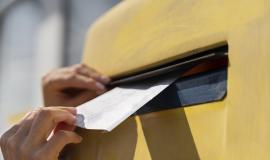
141	33
138	34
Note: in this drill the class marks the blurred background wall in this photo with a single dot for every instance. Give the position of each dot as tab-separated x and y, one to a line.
37	36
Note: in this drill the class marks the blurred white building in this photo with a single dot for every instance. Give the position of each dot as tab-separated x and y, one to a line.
35	37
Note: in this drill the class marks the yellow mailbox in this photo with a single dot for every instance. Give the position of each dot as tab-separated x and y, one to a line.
138	35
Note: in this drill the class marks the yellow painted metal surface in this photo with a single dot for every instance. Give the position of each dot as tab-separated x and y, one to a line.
138	34
142	33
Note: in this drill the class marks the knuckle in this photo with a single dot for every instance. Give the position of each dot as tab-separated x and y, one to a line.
7	135
3	139
72	74
44	113
95	75
11	144
80	65
45	79
77	67
91	81
84	65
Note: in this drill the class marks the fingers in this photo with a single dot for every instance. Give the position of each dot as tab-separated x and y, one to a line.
78	76
65	74
9	133
16	135
82	82
47	119
13	131
6	143
28	139
59	140
65	86
64	126
25	126
90	72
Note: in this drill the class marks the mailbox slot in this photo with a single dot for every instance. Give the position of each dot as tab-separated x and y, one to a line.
180	65
203	79
196	89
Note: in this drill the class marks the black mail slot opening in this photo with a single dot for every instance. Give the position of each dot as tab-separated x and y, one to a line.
201	82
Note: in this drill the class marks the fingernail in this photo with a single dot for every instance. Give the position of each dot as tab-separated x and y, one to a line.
75	119
80	138
105	79
100	86
73	111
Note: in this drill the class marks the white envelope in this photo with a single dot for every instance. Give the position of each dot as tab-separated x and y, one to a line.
110	109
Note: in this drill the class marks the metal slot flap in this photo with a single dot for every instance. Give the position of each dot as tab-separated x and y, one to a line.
176	66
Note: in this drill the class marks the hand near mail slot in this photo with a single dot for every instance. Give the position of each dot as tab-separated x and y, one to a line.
29	139
73	86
